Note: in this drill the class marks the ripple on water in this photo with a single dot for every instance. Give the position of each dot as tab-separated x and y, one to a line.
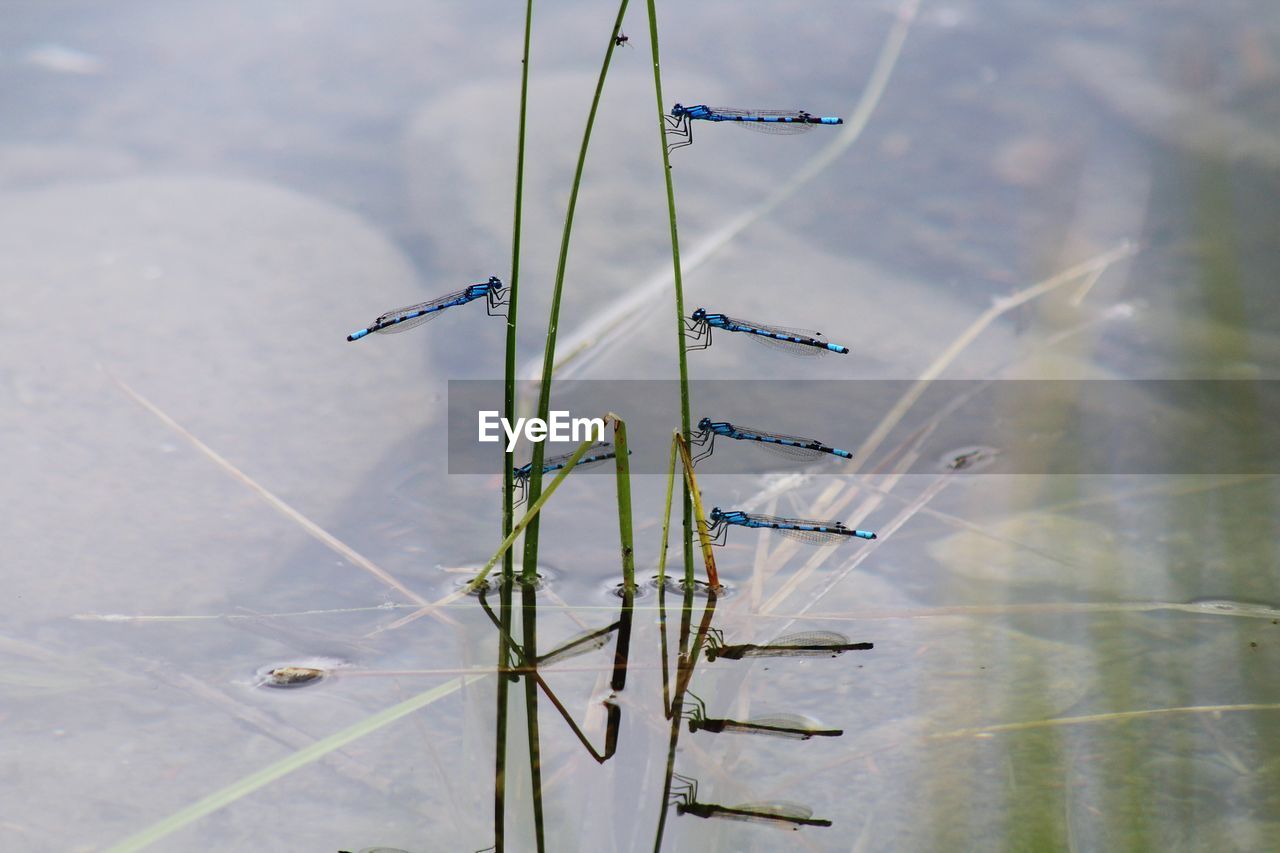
467	572
701	589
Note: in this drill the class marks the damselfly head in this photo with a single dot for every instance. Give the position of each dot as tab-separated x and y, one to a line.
679	110
495	283
704	424
716	514
701	313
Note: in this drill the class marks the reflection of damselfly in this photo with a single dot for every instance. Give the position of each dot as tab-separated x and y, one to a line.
790	446
601	451
588	641
800	529
793	815
800	342
401	319
680	122
803	644
776	725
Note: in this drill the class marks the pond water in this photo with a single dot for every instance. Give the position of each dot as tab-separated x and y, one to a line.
209	492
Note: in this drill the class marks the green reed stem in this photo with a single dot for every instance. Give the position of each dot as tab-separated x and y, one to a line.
530	567
509	397
623	477
508	460
530	516
676	274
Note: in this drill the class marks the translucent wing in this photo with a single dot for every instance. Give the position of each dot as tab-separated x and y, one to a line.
776	813
777	725
426	311
789	347
744	113
580	644
788	451
812	638
808	643
775	127
815	537
601	451
778	809
819	537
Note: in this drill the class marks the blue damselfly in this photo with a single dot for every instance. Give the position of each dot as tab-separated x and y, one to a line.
803	644
801	342
790	446
800	529
599	452
680	122
793	815
401	319
775	725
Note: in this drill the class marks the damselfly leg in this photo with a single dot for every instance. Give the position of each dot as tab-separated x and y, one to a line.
681	128
498	298
698	331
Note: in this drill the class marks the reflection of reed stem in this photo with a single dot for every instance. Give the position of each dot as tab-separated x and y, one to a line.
530	567
684	673
529	619
500	728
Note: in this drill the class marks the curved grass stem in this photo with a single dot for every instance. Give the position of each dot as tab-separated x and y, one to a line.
530	566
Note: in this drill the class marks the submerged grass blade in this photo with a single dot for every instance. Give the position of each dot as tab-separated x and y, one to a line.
971	333
325	537
242	788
